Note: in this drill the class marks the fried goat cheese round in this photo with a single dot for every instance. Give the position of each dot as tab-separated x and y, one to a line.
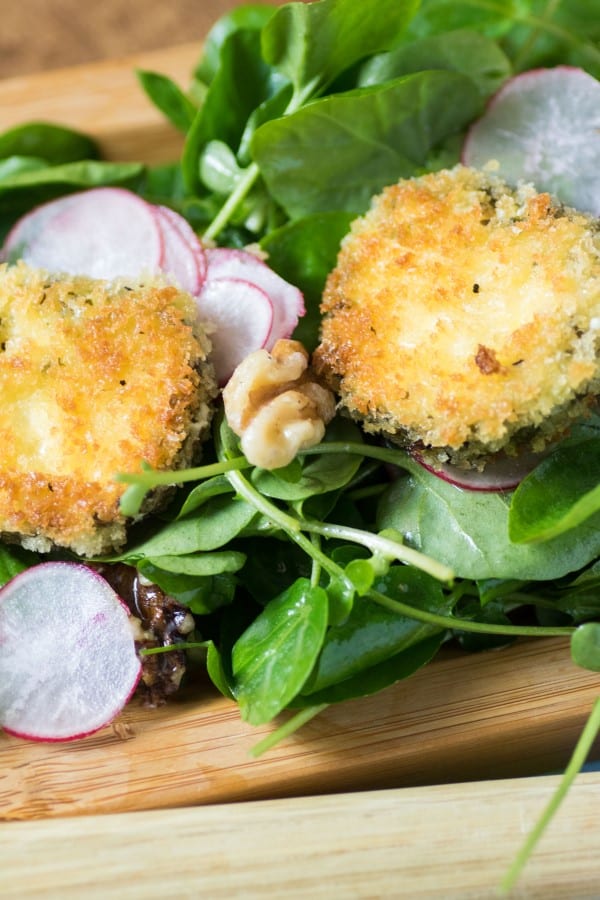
95	379
463	316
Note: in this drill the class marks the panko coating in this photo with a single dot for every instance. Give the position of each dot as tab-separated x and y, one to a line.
95	379
463	316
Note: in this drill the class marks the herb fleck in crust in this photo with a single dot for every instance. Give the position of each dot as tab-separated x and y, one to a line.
464	315
95	379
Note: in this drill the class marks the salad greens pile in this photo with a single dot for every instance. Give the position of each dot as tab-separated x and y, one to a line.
347	570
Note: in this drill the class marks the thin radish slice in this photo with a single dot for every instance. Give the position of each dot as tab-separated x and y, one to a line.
241	314
543	127
101	233
502	473
287	300
67	663
183	256
29	227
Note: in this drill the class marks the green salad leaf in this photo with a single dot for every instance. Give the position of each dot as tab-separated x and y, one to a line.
352	567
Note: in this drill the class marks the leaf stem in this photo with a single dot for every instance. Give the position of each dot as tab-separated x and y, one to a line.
244	185
383	546
582	749
455	624
288	728
290	525
152	478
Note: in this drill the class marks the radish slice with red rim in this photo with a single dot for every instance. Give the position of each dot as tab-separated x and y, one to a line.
502	473
183	256
68	663
101	233
287	300
30	226
543	127
241	316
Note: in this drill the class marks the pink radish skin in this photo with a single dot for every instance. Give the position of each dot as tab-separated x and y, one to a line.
287	300
102	233
68	663
501	474
193	257
543	127
241	315
180	260
110	232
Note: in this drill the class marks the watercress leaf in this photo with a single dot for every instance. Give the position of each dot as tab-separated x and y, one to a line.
341	594
498	588
376	678
246	16
585	646
468	530
304	252
27	188
312	43
320	475
216	670
242	82
274	656
14	560
12	165
465	51
219	169
271	566
52	143
271	108
218	521
334	154
163	184
440	16
168	97
202	595
559	494
200	565
202	492
372	633
85	173
557	33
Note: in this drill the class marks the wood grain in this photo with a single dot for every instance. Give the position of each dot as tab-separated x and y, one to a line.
451	841
512	712
507	713
104	100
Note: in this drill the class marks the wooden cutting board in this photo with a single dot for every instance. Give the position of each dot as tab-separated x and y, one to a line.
512	712
453	842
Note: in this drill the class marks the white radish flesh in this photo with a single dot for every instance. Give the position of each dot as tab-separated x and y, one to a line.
68	662
101	233
543	127
241	315
183	256
287	300
29	227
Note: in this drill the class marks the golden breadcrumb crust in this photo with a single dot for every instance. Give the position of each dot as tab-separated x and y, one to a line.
463	314
95	379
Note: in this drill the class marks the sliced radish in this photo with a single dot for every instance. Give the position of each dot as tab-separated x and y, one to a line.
543	127
67	654
183	256
502	473
242	316
102	233
287	300
29	227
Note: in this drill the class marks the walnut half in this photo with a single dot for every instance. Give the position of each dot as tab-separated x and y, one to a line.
275	405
